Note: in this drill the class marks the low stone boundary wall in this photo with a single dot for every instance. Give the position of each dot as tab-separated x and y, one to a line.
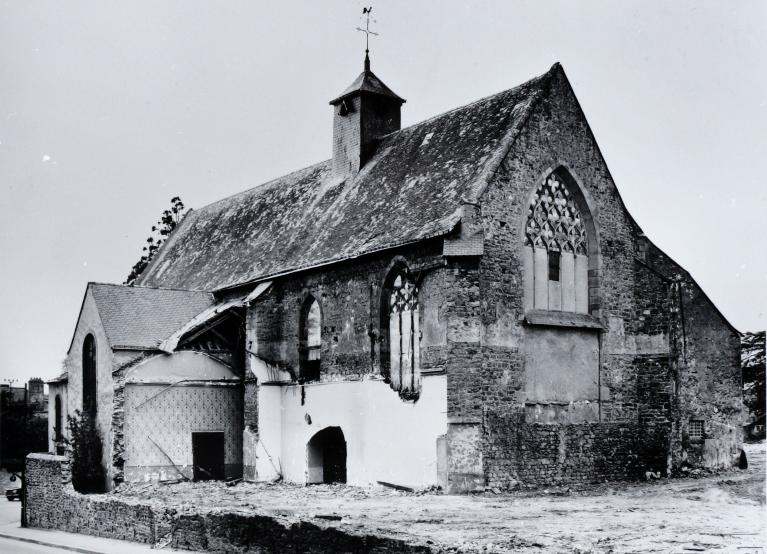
52	503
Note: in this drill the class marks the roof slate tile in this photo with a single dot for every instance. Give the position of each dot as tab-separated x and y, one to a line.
141	317
411	189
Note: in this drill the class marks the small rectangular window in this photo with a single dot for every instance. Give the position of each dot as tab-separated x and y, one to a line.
553	265
697	429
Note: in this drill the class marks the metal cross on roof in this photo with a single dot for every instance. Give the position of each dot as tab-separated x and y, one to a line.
366	30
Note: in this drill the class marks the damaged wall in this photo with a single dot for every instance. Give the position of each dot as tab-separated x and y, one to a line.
349	296
168	416
705	359
52	503
387	438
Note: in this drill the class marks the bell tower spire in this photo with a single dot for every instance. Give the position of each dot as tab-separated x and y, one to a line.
363	113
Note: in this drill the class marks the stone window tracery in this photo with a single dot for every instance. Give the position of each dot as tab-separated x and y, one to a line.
404	336
556	249
554	222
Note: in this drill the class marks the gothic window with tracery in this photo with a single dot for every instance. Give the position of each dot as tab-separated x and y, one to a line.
404	336
556	250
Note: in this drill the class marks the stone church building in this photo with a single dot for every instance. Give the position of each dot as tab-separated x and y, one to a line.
465	302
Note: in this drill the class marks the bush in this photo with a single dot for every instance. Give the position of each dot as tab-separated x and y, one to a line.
86	452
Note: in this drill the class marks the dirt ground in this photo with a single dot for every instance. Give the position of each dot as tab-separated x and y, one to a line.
724	512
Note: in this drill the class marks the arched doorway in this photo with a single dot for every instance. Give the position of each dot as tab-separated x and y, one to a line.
326	457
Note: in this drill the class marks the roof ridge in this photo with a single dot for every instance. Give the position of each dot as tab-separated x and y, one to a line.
474	103
275	180
406	193
148	287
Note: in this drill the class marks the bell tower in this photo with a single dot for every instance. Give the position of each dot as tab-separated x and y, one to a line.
363	113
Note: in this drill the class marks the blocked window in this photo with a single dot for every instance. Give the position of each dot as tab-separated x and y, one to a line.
697	429
403	335
556	248
311	340
90	401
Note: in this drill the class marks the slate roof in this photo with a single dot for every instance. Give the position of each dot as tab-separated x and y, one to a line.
367	81
141	317
411	189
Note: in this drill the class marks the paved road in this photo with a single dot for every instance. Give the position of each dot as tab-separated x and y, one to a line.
10	545
10	512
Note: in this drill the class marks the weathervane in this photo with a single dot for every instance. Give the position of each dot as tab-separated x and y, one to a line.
366	12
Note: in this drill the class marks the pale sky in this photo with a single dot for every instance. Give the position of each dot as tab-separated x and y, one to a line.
107	110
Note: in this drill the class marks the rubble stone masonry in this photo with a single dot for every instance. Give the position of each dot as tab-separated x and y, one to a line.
647	384
53	504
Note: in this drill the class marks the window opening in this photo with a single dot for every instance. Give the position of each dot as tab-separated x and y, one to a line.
554	258
556	253
311	340
404	337
697	429
57	419
89	383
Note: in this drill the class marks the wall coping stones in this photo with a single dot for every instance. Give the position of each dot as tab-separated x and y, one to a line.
47	456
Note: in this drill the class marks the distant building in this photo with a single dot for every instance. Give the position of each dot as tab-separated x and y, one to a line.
12	418
35	396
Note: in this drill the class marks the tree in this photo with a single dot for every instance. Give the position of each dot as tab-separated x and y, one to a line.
160	231
86	452
752	347
23	432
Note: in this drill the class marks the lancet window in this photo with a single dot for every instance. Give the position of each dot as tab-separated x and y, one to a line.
90	400
311	340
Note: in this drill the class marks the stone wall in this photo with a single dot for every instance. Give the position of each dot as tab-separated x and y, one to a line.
349	296
53	504
614	402
706	374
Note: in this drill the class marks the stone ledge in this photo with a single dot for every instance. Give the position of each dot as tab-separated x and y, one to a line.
571	320
460	420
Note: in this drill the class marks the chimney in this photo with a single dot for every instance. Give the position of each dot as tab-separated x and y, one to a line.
366	111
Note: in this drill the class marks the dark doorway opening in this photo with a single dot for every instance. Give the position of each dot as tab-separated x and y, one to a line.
208	456
326	457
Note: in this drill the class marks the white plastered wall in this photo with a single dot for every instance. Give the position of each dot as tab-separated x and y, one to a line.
387	439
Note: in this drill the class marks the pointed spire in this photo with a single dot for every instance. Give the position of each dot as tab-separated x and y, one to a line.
367	61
